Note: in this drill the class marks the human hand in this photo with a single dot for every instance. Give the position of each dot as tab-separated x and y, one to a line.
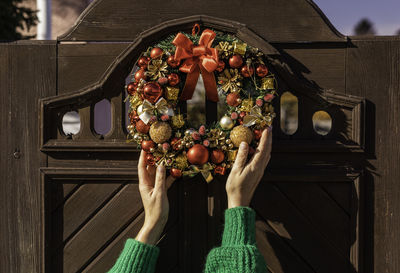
244	178
153	186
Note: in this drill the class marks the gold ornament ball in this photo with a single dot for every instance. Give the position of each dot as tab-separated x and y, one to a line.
241	133
160	132
226	123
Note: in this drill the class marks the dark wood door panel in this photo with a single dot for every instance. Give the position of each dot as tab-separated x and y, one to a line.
87	222
300	224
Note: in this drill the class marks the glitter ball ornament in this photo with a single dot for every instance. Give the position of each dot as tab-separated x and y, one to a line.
196	135
160	131
262	70
156	53
143	62
173	79
234	115
217	156
142	127
241	133
233	99
176	173
226	123
165	146
140	74
197	155
172	62
247	71
259	102
202	130
147	145
236	61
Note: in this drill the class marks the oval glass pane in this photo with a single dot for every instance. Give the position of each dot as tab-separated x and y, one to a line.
71	123
322	122
102	117
289	113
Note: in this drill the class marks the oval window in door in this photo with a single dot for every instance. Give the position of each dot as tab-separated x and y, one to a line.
71	123
322	122
289	113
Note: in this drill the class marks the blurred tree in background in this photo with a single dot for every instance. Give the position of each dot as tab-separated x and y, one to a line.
13	17
364	27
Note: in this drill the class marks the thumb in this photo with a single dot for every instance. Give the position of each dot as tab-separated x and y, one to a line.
160	178
241	157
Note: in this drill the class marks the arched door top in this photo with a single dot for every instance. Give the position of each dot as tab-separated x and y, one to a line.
277	21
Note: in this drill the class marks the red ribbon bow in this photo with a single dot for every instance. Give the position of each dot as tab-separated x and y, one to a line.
198	58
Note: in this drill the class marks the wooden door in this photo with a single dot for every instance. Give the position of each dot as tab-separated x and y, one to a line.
71	200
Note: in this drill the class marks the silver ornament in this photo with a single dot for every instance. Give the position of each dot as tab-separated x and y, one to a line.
226	123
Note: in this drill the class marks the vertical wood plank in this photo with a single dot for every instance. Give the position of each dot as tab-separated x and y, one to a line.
379	56
27	73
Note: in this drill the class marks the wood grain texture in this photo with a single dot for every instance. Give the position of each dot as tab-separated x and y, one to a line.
80	65
27	73
295	20
379	56
298	231
323	64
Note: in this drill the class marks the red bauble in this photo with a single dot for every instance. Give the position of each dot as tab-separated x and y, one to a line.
233	99
156	53
221	66
217	156
140	74
143	62
173	79
247	71
147	145
142	127
152	91
176	173
131	88
262	70
150	160
257	134
172	62
197	155
236	61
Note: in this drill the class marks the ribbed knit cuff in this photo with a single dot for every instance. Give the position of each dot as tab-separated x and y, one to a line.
136	257
239	227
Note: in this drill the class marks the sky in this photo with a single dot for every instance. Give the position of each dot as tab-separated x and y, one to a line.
345	14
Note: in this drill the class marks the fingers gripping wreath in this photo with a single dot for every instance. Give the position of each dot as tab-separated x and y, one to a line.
168	74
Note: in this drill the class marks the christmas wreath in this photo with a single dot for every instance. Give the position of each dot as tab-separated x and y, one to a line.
167	76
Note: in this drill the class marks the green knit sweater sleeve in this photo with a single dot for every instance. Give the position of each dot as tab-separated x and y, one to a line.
136	257
238	252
